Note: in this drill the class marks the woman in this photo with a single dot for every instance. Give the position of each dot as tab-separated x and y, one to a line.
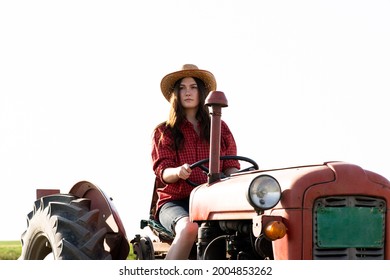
180	141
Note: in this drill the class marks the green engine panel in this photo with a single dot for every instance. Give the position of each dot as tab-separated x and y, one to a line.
350	227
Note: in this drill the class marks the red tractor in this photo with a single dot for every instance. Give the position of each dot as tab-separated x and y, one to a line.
333	210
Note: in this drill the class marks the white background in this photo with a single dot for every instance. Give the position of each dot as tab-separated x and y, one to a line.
306	81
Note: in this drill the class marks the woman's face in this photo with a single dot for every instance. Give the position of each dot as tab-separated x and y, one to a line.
189	94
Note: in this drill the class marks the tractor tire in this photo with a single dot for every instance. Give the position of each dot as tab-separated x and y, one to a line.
64	226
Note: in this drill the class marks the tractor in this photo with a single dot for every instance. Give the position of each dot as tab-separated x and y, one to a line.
329	211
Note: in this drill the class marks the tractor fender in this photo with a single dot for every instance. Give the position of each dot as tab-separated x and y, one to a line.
99	200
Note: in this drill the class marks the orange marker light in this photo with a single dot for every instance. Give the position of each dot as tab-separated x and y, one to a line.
275	230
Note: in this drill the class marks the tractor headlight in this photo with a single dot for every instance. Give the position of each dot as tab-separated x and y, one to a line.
264	192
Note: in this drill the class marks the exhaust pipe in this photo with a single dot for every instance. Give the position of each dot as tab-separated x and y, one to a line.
216	100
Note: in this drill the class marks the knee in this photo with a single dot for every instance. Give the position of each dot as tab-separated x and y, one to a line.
186	227
192	228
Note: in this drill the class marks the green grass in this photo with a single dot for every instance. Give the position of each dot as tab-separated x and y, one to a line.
10	250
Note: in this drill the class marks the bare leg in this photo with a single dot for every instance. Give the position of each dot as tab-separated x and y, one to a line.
186	232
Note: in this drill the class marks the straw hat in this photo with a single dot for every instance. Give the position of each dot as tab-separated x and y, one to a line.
188	70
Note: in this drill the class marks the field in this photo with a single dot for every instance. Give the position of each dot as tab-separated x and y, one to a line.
10	250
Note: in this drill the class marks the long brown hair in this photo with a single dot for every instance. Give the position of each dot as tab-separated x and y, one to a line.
177	116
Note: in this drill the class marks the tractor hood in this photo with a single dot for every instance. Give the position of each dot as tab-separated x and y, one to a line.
227	199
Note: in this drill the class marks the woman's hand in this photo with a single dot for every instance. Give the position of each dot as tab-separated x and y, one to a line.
230	171
184	171
174	174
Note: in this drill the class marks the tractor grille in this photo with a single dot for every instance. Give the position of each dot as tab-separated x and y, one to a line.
349	228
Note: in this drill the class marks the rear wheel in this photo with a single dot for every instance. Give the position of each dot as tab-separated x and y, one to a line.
64	226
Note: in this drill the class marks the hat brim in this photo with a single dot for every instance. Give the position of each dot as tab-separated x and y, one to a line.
168	82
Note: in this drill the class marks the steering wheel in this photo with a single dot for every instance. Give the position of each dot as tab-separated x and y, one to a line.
199	164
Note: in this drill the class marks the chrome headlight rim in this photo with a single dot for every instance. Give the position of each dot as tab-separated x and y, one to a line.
262	187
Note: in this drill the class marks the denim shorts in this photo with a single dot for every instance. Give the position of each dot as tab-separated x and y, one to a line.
171	212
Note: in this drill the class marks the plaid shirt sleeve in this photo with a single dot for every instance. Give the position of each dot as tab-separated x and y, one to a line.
163	154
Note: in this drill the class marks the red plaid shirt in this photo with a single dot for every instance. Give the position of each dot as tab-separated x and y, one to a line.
194	149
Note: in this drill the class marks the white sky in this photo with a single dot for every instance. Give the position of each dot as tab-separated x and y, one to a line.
306	81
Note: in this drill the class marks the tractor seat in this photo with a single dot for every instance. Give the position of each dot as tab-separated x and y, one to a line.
158	229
